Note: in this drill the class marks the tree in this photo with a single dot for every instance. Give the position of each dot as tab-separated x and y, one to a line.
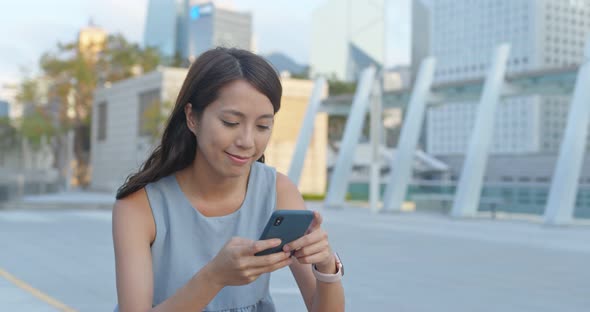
28	94
121	59
154	117
35	122
36	125
337	86
73	77
8	137
178	61
304	74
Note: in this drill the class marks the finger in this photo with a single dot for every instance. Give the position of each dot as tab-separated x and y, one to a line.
306	240
315	258
268	260
316	223
312	249
261	245
273	267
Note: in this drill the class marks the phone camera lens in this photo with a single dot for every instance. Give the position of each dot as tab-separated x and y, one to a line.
278	221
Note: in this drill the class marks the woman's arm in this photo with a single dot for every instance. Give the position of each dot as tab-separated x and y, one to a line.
318	296
133	232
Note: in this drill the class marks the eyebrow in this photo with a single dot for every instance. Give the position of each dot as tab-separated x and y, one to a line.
240	114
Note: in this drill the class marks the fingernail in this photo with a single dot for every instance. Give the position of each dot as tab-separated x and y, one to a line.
286	248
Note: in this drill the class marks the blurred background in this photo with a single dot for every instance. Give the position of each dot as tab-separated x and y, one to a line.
474	162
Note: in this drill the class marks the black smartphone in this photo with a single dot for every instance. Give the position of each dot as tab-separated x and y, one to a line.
287	225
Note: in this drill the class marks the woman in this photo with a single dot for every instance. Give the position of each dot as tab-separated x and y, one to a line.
185	227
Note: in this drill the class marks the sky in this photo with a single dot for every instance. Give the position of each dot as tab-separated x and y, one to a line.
32	27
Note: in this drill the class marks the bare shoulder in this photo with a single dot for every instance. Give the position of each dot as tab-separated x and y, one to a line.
134	211
133	233
288	195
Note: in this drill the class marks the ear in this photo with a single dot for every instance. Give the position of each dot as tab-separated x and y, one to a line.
191	120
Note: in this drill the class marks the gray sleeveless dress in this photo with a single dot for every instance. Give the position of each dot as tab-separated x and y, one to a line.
186	240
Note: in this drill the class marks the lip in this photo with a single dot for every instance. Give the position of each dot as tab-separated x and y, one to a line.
239	160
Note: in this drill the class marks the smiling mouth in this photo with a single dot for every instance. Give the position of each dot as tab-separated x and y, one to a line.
239	157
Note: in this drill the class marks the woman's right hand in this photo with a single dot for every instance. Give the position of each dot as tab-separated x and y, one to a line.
236	264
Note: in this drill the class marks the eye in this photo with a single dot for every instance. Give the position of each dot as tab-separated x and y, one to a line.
261	127
229	124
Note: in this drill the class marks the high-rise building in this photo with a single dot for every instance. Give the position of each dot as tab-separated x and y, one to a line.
4	109
162	24
211	26
420	34
187	28
543	34
347	36
91	41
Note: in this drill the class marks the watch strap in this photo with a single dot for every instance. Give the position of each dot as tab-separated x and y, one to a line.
329	278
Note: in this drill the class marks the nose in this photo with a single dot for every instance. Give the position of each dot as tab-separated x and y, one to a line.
245	139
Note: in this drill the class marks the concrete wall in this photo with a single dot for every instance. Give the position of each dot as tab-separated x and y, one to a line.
122	151
288	121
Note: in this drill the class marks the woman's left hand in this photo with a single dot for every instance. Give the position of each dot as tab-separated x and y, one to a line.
314	248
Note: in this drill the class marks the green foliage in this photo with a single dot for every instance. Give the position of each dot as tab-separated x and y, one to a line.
28	91
71	77
341	87
336	126
337	87
34	126
314	197
154	117
121	59
321	197
305	74
8	134
176	61
149	59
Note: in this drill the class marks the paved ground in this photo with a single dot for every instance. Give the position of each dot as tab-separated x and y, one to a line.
394	262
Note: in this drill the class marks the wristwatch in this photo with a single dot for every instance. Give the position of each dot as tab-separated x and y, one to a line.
330	278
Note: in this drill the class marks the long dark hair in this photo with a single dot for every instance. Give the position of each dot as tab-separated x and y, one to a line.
211	71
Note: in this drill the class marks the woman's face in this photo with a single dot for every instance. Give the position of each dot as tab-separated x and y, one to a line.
234	130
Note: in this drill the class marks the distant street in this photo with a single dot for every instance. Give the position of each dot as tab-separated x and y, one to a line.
406	262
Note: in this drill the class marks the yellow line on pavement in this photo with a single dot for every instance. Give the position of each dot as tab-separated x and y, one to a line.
35	292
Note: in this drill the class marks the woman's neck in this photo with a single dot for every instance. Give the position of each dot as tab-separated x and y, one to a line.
200	181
